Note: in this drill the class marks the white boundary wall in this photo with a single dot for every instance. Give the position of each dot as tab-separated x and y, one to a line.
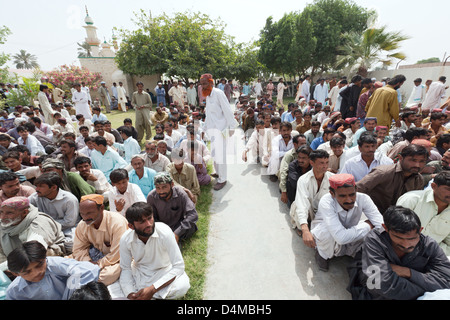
426	72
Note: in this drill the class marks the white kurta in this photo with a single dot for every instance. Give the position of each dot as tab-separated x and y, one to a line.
152	263
80	100
46	108
308	196
434	96
321	93
122	98
279	149
306	86
339	232
258	89
178	94
88	92
219	117
417	96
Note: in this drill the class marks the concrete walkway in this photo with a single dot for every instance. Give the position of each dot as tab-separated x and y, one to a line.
253	252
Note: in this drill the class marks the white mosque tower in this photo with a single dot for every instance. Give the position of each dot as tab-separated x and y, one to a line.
91	32
102	60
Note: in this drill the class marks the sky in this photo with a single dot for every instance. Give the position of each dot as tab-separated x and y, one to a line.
51	29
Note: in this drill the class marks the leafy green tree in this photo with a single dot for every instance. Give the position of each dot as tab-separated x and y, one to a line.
4	33
330	19
243	65
429	60
25	60
361	51
183	46
303	47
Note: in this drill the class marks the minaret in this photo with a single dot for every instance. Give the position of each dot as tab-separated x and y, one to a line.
91	32
114	42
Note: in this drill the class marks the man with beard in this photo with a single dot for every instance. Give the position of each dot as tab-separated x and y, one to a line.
398	263
219	120
383	103
436	167
386	184
172	205
158	267
97	237
153	159
359	166
337	228
142	104
21	222
432	207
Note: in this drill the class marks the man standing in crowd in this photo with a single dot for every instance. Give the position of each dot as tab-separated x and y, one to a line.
142	104
219	123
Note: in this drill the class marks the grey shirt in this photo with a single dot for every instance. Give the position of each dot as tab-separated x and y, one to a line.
178	212
64	209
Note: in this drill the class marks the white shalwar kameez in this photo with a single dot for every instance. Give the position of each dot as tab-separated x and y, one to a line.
46	108
434	96
80	100
338	232
122	98
417	96
219	118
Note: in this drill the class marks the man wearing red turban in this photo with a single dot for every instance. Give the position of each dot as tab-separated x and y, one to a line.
219	119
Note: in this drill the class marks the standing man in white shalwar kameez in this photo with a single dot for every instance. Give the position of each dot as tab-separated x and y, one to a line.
219	118
46	108
435	94
178	93
122	98
81	101
87	90
321	92
306	87
417	95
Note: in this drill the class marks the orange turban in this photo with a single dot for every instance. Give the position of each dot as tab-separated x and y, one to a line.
97	198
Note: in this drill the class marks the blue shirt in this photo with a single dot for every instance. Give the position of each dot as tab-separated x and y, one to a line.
107	162
287	117
316	143
130	146
100	117
62	277
146	183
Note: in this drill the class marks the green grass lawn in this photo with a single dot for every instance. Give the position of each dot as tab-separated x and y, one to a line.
194	250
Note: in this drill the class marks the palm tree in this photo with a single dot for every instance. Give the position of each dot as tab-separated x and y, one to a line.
25	60
84	50
361	51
